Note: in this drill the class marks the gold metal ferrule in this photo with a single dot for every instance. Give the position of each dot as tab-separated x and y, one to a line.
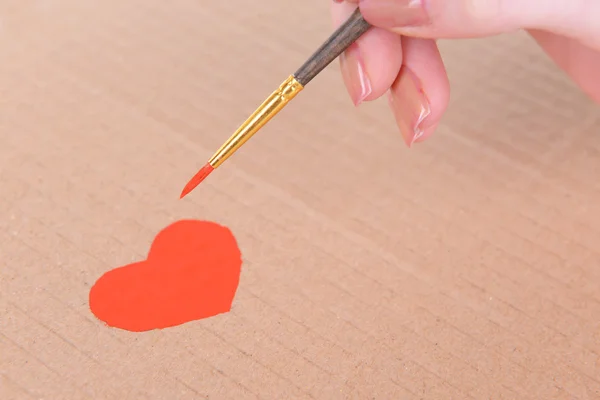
267	110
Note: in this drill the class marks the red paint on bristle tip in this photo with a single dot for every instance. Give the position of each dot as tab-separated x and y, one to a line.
197	179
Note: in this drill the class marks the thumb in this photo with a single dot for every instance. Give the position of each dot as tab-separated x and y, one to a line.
578	19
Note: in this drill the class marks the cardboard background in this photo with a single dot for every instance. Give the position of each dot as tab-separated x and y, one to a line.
464	268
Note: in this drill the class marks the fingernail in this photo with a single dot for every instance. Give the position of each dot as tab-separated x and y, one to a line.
355	75
395	13
410	106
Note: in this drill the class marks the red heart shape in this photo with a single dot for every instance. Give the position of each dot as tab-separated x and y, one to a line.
192	272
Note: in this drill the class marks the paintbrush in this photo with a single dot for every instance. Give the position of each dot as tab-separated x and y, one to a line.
344	36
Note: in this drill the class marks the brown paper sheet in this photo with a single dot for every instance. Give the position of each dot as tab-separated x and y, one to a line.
464	268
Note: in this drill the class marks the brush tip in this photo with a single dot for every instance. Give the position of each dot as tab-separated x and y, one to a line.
197	179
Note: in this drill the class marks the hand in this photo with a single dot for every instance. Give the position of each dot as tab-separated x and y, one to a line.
400	53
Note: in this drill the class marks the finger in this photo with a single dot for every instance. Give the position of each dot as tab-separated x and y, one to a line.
473	18
371	64
579	61
420	95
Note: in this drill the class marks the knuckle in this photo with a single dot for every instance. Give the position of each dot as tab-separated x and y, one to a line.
484	10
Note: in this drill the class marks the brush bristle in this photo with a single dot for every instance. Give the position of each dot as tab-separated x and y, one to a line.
197	179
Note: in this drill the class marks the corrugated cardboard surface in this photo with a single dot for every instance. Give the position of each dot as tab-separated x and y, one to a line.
464	268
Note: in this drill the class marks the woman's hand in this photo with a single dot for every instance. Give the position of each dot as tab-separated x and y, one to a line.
400	53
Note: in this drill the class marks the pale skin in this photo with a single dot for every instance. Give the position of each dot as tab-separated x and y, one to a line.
399	56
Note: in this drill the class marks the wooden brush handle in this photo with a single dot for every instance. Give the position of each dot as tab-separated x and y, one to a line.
344	36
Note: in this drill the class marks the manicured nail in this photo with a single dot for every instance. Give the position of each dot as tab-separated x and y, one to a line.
355	75
410	106
395	13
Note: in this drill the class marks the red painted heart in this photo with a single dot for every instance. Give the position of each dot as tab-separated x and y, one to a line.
192	272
